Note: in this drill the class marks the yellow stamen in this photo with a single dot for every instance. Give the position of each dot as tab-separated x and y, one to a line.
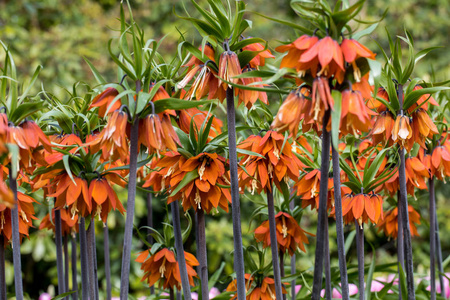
162	268
197	199
284	229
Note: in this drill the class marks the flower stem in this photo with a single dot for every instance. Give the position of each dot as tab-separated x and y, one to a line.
107	260
66	263
202	258
274	244
73	244
432	239
150	224
84	261
171	294
323	194
360	251
126	255
282	273
439	260
339	223
328	290
235	205
405	216
2	268
292	206
16	240
400	248
59	253
91	261
180	250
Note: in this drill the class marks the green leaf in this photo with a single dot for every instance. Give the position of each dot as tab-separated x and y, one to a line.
67	167
287	23
370	173
412	97
32	81
349	240
245	42
247	152
336	118
403	284
177	104
192	175
365	32
95	72
62	296
252	88
370	275
24	110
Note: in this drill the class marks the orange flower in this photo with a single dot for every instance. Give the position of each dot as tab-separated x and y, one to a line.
247	96
353	50
295	50
186	115
74	194
321	101
103	198
265	290
112	140
104	100
206	83
290	113
26	216
208	52
382	129
440	163
68	225
278	164
157	133
402	132
290	236
168	166
362	207
328	54
390	223
355	116
423	127
229	67
163	267
422	101
260	58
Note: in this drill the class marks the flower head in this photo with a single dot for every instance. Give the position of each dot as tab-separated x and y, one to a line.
229	67
362	207
104	100
390	223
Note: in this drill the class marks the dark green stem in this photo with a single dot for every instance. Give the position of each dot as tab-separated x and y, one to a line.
323	195
126	255
201	248
274	245
339	223
432	239
360	251
16	240
405	216
328	289
180	250
235	205
73	243
107	260
59	253
84	261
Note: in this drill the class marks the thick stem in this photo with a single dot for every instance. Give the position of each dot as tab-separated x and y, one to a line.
73	243
405	214
66	263
180	250
171	294
328	289
201	248
126	255
16	241
360	252
59	253
323	195
274	245
150	224
84	260
2	269
406	230
91	261
400	248
107	260
179	295
339	223
282	272
432	239
439	260
235	202
292	206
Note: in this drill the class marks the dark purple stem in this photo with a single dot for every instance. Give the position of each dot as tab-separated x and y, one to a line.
84	260
59	253
2	268
107	260
274	245
328	289
432	239
16	240
202	257
360	251
73	243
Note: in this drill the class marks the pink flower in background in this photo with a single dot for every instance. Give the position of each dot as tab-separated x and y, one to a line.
212	293
45	296
438	285
352	290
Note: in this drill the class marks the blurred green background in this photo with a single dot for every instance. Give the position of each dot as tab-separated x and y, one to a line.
57	34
